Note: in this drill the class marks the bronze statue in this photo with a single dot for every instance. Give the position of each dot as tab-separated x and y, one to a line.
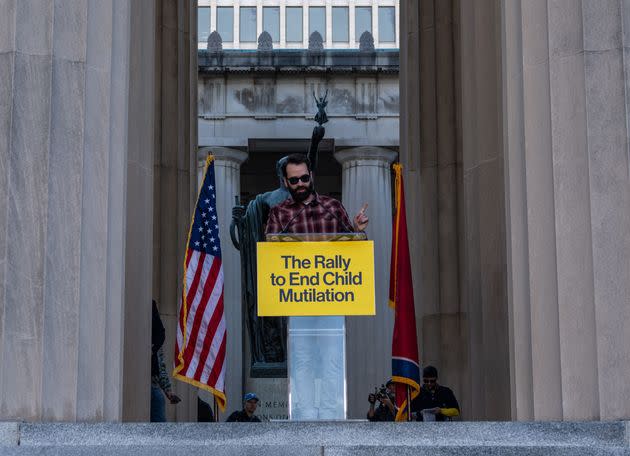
321	117
267	335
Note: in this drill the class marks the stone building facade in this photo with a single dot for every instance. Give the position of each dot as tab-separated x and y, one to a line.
291	22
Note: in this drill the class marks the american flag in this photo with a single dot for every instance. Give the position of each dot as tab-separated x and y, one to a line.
201	334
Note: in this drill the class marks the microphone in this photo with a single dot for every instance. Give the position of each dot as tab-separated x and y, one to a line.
351	230
285	227
315	202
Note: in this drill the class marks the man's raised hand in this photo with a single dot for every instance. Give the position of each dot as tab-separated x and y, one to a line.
361	220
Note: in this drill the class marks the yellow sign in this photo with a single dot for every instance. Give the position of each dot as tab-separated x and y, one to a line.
315	278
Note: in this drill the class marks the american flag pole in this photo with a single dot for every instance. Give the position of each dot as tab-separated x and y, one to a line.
408	403
201	333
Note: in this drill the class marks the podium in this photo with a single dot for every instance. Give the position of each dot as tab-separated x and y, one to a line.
316	351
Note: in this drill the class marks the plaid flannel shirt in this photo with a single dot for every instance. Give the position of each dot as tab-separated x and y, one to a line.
321	215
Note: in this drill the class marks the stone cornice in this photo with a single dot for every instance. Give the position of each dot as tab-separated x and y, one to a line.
292	61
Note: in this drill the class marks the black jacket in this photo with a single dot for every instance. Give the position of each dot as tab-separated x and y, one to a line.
441	397
240	416
158	334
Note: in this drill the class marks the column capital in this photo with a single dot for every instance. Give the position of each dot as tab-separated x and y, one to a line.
223	153
366	155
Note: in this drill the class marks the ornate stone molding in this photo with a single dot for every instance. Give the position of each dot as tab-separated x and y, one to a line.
366	156
223	153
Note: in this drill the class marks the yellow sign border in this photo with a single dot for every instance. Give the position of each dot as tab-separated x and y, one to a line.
339	295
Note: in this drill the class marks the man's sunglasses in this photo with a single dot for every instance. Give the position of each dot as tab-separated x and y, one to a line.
304	178
429	381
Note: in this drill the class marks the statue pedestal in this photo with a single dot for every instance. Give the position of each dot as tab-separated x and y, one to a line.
274	403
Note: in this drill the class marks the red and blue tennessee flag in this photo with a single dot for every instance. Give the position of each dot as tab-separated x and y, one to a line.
405	365
201	335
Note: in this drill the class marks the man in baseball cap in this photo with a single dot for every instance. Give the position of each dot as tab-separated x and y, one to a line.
250	403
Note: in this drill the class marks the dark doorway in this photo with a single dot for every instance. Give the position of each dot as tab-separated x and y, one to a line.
258	173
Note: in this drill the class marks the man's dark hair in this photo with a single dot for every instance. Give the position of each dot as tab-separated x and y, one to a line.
296	159
429	372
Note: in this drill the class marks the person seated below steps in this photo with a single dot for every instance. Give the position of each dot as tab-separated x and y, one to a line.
250	404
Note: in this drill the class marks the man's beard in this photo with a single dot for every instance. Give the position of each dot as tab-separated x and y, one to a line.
301	193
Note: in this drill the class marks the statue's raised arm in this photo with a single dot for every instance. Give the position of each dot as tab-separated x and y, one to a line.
321	117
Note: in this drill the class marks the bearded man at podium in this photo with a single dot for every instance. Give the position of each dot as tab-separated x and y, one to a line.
306	211
316	344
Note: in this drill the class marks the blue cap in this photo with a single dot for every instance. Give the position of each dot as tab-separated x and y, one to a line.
250	397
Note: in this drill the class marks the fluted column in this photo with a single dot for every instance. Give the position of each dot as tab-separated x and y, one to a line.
174	158
75	208
228	185
568	194
432	167
367	179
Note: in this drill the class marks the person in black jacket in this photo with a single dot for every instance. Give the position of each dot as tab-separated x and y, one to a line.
250	403
160	382
435	402
158	336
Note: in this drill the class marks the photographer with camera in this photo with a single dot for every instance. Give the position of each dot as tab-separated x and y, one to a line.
386	410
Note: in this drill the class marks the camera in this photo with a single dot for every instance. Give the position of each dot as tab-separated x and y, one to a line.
381	393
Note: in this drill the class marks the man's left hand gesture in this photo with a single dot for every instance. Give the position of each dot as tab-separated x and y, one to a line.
361	220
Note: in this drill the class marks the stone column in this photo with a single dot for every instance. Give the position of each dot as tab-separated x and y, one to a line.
75	207
228	184
367	179
482	254
433	183
174	185
568	194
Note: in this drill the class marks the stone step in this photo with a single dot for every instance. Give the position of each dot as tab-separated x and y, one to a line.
211	450
316	438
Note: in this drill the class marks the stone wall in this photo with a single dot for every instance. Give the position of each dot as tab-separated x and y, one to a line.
243	95
348	95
